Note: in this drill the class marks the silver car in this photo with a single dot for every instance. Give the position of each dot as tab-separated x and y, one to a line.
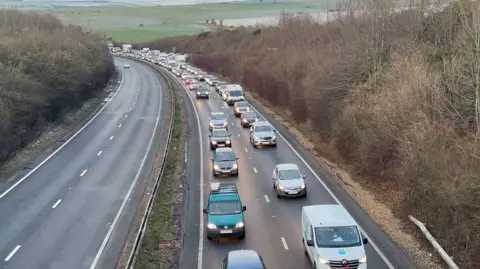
217	120
262	133
288	181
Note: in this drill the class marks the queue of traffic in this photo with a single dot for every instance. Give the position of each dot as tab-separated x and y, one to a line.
330	236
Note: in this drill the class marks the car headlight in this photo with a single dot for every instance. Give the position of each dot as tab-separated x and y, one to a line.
227	142
281	187
302	186
240	224
363	259
216	167
198	93
214	142
322	260
211	226
225	123
211	124
244	120
235	166
274	137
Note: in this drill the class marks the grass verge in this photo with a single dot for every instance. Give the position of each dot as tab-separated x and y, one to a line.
162	227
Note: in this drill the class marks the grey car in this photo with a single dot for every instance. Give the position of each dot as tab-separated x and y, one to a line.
248	118
240	107
217	120
262	133
220	138
288	181
202	92
224	162
220	85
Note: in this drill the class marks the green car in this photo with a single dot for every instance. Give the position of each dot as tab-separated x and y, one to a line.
225	212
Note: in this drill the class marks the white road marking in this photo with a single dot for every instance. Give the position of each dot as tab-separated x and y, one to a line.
126	116
131	108
134	103
83	173
266	199
380	253
246	150
111	137
12	253
130	190
255	170
285	246
57	203
120	125
64	144
233	124
100	153
238	135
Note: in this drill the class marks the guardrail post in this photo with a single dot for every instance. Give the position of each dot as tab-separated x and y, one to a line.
451	264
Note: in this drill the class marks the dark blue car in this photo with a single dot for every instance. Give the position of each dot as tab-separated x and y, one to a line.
243	259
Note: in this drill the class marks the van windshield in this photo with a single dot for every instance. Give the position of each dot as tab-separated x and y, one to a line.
337	237
235	93
225	207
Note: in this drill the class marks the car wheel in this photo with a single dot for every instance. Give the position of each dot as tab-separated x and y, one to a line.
278	195
242	236
212	148
274	186
209	237
197	98
241	123
215	175
208	97
274	145
305	195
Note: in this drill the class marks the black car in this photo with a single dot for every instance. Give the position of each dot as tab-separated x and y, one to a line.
203	92
220	138
248	118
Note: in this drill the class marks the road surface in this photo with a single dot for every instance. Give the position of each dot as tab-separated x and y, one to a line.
62	215
273	225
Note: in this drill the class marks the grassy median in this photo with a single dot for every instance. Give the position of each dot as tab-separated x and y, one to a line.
162	228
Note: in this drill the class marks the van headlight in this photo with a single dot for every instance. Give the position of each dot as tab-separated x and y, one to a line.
240	224
363	259
211	226
322	260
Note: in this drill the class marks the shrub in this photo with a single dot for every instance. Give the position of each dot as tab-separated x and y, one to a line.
47	69
395	95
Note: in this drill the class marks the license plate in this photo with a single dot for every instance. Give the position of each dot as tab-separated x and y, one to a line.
293	192
221	145
226	231
226	171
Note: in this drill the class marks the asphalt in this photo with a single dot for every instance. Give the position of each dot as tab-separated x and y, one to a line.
63	214
273	225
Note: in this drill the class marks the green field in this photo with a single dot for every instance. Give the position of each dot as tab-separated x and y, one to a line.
136	24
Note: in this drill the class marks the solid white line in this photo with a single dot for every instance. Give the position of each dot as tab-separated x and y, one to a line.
12	253
127	196
83	173
246	150
64	144
285	246
380	253
120	125
100	153
57	203
255	170
266	199
111	137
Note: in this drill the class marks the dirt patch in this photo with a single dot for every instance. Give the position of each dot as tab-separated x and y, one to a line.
54	133
161	244
379	212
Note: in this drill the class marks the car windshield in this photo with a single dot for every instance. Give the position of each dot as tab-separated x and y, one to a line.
289	174
235	93
219	134
202	89
263	128
224	156
242	104
250	115
337	237
225	207
218	117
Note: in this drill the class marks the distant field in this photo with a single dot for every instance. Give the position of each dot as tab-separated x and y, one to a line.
135	24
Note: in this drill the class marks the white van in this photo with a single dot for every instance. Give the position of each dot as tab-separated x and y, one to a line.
234	94
331	238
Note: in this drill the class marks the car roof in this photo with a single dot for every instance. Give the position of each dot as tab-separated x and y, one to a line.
287	166
242	102
223	150
258	123
329	215
240	259
219	130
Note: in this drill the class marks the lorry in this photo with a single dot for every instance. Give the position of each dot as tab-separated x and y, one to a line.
331	238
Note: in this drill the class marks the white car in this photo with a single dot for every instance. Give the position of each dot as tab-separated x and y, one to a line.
126	65
288	181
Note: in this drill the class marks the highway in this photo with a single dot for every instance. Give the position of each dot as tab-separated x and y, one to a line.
75	209
273	225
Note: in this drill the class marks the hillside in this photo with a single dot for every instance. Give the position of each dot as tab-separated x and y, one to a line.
392	98
47	71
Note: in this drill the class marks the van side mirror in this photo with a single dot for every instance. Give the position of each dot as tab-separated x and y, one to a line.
365	241
244	208
205	211
238	158
310	243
